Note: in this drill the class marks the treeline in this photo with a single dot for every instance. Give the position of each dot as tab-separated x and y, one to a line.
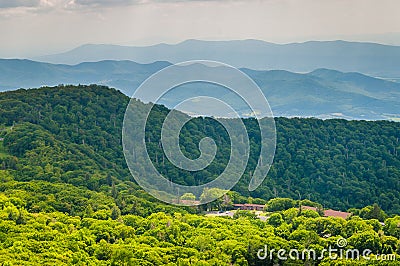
72	134
105	237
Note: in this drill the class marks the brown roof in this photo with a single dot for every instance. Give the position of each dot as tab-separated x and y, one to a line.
187	202
332	213
249	205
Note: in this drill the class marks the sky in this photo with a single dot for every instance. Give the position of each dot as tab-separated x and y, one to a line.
31	28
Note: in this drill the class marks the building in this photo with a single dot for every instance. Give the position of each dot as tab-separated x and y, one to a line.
336	214
249	207
187	202
329	213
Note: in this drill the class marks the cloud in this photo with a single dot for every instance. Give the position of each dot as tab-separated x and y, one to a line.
114	3
17	8
9	8
19	3
109	3
73	4
103	2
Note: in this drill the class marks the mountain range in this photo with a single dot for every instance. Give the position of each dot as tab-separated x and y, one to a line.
368	58
320	93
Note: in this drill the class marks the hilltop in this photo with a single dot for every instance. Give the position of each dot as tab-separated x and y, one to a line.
72	134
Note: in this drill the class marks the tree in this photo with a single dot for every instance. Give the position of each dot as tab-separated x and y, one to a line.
243	213
226	202
188	196
114	191
280	204
115	213
88	211
21	219
103	250
376	213
275	219
392	226
366	240
213	197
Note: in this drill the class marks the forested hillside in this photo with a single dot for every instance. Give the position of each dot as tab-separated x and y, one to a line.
98	238
73	135
66	196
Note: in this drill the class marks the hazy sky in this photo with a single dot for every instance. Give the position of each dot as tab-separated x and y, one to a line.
37	27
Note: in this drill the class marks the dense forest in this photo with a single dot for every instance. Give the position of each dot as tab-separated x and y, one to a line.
73	135
67	196
105	237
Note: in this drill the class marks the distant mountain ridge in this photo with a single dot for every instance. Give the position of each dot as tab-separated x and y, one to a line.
367	58
322	93
17	73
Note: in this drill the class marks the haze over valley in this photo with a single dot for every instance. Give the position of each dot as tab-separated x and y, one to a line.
334	79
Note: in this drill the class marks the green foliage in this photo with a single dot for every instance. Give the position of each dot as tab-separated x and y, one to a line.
208	196
392	226
309	213
373	212
275	219
280	204
188	196
243	213
366	240
3	152
66	196
72	134
33	233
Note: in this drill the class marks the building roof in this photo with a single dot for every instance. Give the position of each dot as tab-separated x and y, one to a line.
249	205
329	213
339	214
187	202
194	202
